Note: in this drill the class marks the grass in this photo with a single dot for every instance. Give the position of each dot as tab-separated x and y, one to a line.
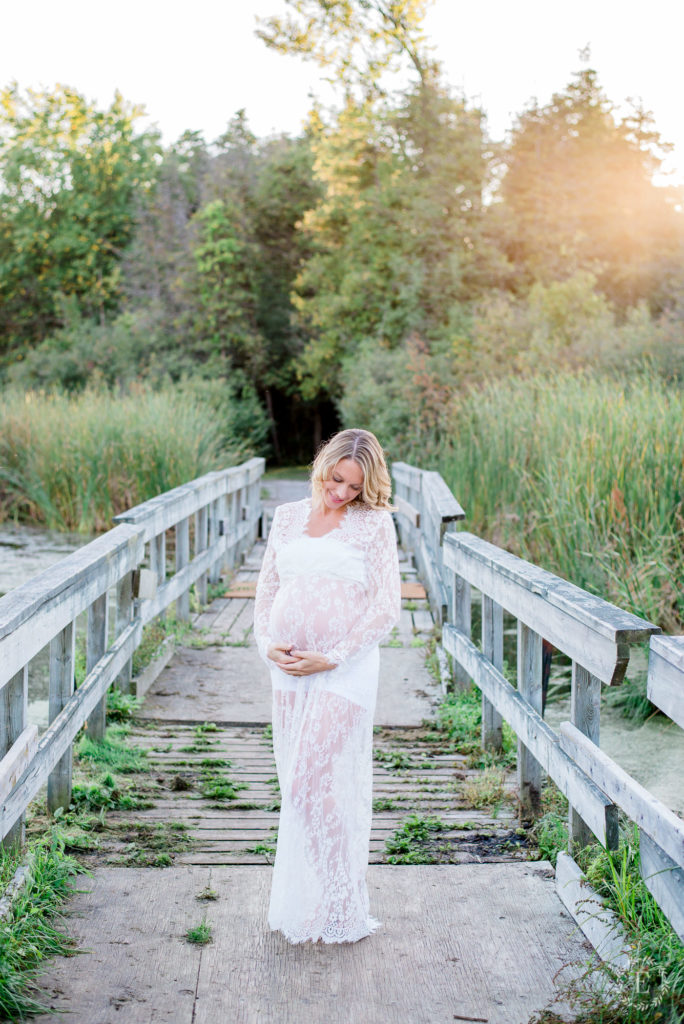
200	935
651	989
394	760
485	789
581	475
112	752
30	934
73	462
413	842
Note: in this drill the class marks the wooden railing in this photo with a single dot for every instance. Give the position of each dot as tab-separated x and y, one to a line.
597	637
129	561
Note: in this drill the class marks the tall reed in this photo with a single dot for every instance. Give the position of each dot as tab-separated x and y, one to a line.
582	475
72	462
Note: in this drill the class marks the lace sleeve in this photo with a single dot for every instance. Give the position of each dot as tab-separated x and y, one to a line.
384	595
266	590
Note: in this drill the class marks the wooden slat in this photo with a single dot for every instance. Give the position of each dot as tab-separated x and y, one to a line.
600	924
651	815
665	687
540	739
664	880
440	502
591	631
413	592
17	759
35	612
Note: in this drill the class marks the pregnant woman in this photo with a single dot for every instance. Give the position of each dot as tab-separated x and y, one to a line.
328	592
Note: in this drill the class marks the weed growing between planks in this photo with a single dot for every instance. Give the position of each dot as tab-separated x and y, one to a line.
200	935
29	935
651	989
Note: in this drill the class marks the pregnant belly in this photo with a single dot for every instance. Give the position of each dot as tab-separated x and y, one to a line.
314	614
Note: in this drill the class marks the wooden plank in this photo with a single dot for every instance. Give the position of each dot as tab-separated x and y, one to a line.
124	613
492	648
96	645
664	880
241	589
585	714
408	476
650	814
529	653
440	501
17	759
182	595
588	629
13	712
201	544
422	621
407	510
665	686
62	657
462	619
413	591
596	809
600	924
60	733
35	612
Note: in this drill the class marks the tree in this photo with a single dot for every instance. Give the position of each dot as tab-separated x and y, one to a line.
69	174
578	194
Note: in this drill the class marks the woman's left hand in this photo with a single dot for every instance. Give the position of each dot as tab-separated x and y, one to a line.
307	664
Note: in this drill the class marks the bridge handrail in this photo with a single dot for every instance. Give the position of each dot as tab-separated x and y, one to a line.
226	509
426	510
595	634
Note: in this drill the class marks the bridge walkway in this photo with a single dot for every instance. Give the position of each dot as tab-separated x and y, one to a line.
479	935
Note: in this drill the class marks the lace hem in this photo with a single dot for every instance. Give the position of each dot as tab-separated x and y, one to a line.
330	934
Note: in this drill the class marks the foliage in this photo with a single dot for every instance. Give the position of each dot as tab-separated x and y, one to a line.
29	936
70	174
413	841
199	935
74	462
112	752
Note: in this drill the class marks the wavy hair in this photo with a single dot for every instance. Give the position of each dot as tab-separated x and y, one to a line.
363	448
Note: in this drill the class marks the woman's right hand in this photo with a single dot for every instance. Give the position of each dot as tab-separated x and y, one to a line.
280	653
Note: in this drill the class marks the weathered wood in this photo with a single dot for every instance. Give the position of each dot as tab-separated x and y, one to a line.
530	687
600	925
60	734
158	557
492	648
429	563
165	511
179	584
664	880
405	509
124	613
650	814
182	558
61	688
441	503
585	714
589	630
461	616
540	739
213	529
201	544
17	759
96	645
35	612
13	711
665	686
407	476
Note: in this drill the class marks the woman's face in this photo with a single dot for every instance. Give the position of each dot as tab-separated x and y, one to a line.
344	484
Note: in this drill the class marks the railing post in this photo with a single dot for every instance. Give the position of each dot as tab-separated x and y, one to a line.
530	686
492	648
96	645
124	613
214	516
585	714
182	531
61	689
13	712
201	528
461	615
158	557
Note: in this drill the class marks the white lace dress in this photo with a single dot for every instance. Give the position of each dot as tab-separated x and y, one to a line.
338	595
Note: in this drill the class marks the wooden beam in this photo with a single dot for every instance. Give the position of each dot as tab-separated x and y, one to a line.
664	880
407	510
17	759
540	739
650	814
665	686
601	925
62	657
589	630
529	653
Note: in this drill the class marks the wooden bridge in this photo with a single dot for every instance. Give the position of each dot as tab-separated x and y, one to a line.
480	936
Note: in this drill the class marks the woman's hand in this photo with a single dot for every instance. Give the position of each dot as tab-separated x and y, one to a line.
281	654
306	663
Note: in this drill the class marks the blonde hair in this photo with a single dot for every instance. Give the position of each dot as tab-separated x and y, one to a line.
364	449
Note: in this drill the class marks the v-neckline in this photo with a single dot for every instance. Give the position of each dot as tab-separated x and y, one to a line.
321	536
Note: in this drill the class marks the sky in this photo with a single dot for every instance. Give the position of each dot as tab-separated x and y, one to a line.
193	64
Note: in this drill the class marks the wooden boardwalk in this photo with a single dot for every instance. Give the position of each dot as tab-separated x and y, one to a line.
479	936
